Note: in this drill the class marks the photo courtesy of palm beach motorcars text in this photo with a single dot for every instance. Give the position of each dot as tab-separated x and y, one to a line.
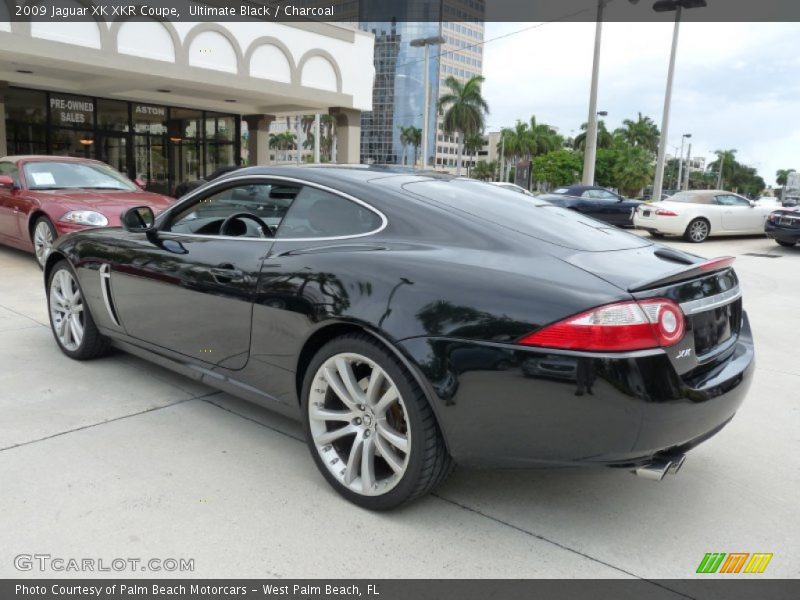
399	299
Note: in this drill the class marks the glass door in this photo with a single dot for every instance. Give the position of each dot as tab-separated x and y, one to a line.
113	149
150	162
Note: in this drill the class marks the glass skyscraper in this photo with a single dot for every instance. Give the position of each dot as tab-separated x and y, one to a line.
399	94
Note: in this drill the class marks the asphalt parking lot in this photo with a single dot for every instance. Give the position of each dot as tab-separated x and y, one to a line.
120	458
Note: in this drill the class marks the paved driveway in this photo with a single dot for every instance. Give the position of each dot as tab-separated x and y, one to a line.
120	458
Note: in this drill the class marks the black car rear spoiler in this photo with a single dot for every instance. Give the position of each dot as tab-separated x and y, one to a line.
683	274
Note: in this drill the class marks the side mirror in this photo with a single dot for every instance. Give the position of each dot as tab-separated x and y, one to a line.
139	219
7	182
752	203
140	182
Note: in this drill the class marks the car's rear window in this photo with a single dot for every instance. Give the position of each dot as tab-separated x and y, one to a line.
526	215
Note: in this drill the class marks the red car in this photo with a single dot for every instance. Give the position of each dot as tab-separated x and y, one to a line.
45	197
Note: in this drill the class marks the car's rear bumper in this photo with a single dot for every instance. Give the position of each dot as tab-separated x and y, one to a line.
667	225
613	410
782	233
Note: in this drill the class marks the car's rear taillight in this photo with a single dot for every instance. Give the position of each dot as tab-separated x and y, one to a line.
663	212
773	217
620	327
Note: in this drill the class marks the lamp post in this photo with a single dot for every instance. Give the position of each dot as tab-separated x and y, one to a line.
426	43
680	160
688	166
590	149
590	152
668	6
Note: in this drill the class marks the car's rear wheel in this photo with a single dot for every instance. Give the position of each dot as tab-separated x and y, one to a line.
44	235
371	431
697	231
787	244
70	319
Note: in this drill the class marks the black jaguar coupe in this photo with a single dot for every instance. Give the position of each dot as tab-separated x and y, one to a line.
414	321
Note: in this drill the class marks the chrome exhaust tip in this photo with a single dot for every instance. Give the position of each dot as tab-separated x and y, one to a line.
660	466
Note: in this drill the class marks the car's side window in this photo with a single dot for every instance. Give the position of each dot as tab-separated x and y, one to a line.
317	213
264	204
605	195
731	200
10	169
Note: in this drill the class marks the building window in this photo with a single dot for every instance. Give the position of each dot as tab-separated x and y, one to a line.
26	121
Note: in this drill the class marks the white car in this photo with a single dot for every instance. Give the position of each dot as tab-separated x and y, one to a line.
698	214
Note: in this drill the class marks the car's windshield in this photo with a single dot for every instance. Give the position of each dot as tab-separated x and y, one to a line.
55	175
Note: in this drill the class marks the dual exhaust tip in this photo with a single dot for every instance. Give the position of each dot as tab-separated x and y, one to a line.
658	468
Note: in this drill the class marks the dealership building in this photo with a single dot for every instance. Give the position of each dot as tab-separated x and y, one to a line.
169	102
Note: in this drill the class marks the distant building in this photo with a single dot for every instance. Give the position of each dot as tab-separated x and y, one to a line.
398	91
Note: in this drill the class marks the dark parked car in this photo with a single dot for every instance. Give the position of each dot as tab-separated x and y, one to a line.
596	202
413	321
783	226
44	197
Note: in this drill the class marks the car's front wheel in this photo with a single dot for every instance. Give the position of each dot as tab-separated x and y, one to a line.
44	235
371	430
697	231
70	319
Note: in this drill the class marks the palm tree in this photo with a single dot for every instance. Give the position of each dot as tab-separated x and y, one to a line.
473	144
514	143
282	141
404	141
725	164
782	178
642	133
604	137
464	109
411	136
542	138
484	170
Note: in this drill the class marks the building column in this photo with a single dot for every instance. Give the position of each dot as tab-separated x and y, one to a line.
258	138
348	135
3	133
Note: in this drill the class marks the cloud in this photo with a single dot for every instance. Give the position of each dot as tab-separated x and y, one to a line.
736	84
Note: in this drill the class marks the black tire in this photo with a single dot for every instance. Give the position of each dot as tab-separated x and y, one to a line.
697	231
429	463
93	344
786	244
46	223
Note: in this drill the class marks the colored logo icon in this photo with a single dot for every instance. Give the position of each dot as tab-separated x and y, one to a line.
734	562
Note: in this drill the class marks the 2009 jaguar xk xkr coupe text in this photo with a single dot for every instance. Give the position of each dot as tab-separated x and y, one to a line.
413	321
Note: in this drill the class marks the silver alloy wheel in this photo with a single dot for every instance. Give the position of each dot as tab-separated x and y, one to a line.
42	241
698	230
66	309
359	424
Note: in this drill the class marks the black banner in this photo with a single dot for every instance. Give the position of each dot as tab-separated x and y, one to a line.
400	10
734	588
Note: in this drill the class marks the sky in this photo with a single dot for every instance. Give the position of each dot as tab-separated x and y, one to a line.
737	85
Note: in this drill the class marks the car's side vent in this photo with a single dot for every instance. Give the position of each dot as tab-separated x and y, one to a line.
105	286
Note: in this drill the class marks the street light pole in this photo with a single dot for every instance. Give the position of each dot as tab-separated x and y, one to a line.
688	166
666	6
426	43
590	148
680	161
502	155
